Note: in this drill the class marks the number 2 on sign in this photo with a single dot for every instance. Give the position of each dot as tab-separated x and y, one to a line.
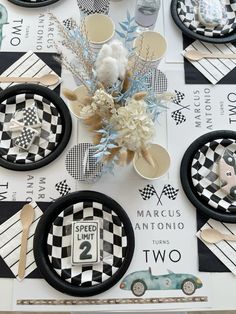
86	247
85	242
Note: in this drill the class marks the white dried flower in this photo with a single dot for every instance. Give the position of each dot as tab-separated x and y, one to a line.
88	111
105	51
118	53
108	71
104	103
118	50
134	125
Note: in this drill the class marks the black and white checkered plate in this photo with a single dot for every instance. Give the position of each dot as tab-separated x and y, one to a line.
54	131
52	243
33	3
200	175
188	13
205	174
184	14
113	244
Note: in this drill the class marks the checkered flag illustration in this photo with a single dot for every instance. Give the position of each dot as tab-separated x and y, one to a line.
178	98
178	117
26	138
147	192
30	117
170	192
63	188
69	24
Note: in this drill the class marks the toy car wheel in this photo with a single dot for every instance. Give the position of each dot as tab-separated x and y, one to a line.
138	288
188	287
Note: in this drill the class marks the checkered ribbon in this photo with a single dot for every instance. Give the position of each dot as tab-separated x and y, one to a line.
63	188
170	192
147	192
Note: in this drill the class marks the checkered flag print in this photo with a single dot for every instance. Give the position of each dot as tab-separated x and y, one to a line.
113	244
63	188
69	24
30	117
178	117
178	98
26	138
147	192
170	192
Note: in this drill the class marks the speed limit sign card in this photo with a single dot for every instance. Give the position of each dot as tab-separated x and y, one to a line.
85	242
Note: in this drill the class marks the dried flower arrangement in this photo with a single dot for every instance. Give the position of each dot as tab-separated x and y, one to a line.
120	107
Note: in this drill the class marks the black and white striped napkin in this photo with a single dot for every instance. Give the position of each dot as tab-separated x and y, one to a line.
213	69
29	65
225	251
10	240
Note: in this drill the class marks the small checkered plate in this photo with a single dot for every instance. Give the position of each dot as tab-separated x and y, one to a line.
33	3
208	179
185	15
53	244
35	127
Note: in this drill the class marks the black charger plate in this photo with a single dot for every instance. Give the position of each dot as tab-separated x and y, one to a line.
56	127
33	4
202	154
230	37
52	244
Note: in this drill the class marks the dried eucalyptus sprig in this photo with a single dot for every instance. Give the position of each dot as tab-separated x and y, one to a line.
128	31
106	145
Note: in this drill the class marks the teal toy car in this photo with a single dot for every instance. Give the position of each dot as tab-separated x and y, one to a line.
140	281
3	20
